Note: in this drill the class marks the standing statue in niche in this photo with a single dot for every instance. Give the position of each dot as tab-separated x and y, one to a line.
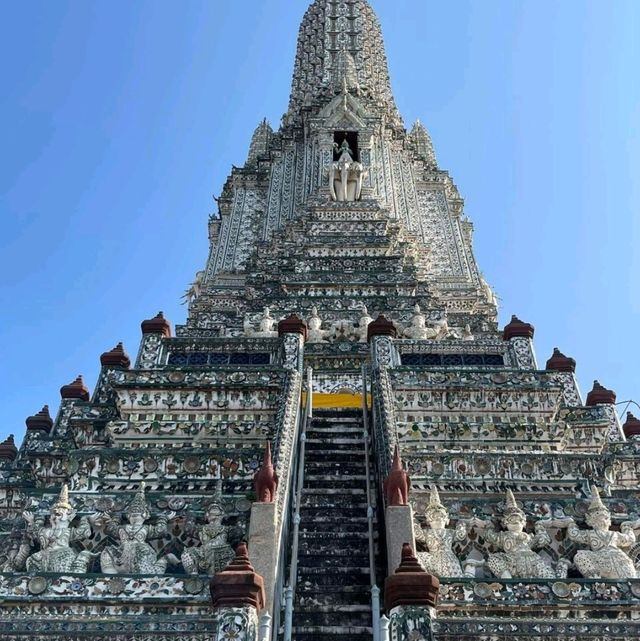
605	560
55	553
346	175
214	553
518	560
132	554
363	325
316	334
265	327
418	329
440	560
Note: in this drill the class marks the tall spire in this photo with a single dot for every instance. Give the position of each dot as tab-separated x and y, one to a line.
340	40
259	143
423	144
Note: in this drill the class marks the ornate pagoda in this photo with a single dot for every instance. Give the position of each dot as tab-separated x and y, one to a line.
340	441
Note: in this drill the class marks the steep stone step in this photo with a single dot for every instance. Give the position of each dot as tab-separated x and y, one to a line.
331	636
346	616
333	512
341	596
333	584
335	468
332	526
336	443
318	633
320	560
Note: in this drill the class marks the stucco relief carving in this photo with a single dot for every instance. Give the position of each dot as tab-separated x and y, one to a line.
440	559
56	553
605	558
517	559
346	176
214	552
132	554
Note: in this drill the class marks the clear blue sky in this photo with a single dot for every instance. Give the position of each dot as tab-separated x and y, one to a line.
121	119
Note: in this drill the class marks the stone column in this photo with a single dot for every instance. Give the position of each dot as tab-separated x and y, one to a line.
380	333
564	368
115	359
606	398
153	331
410	600
237	596
293	331
520	337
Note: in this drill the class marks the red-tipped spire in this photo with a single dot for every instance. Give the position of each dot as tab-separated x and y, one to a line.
40	422
410	585
381	327
238	585
293	325
396	486
560	363
8	450
518	329
116	358
157	325
600	395
631	426
266	481
76	390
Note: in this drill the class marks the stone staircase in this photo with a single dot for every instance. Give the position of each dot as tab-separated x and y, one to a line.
333	597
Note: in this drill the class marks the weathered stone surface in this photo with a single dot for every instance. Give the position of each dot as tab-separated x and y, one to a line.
399	530
263	546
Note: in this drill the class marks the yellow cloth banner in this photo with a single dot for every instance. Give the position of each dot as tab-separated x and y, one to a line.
321	401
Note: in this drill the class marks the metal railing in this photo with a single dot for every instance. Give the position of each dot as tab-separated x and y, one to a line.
375	590
290	590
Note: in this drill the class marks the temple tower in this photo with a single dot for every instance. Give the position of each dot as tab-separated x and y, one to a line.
339	434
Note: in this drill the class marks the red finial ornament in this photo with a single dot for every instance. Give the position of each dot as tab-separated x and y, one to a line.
396	485
116	358
600	395
631	426
8	450
560	363
293	325
266	480
411	585
518	329
157	325
75	391
40	422
238	585
381	327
